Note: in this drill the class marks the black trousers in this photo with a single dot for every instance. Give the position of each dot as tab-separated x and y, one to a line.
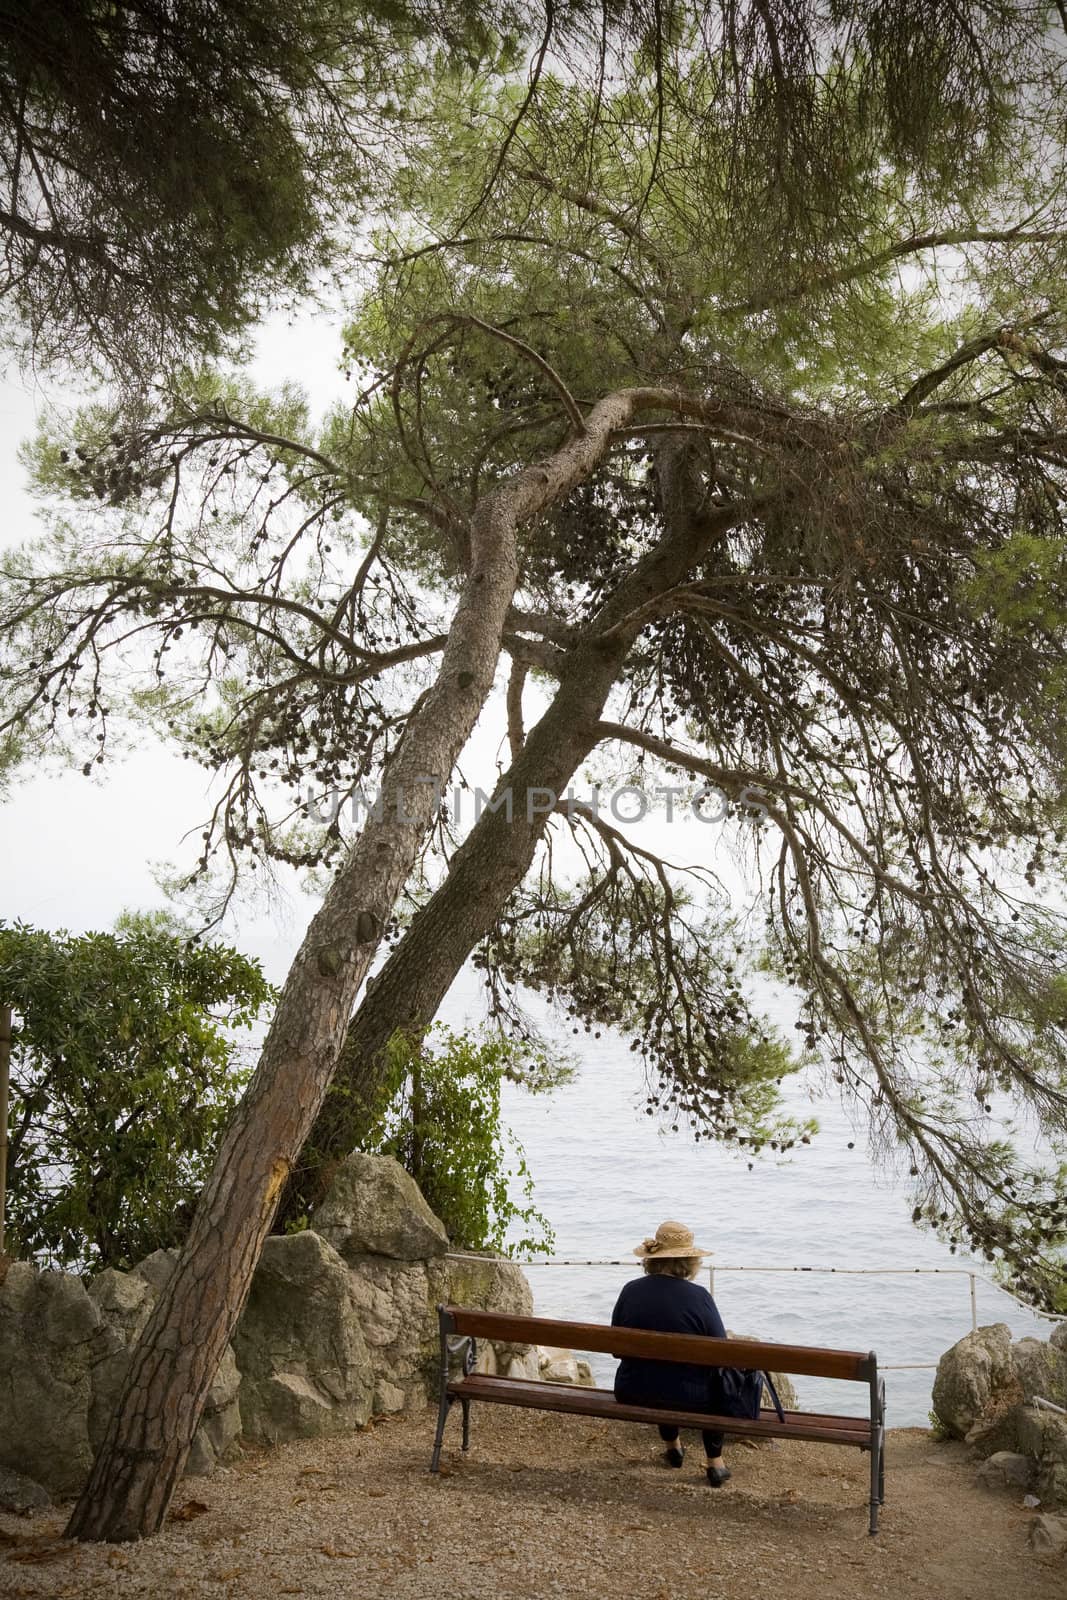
712	1441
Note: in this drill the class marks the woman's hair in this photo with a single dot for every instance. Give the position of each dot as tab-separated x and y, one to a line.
673	1266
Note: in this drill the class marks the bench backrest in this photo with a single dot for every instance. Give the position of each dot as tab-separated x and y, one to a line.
807	1361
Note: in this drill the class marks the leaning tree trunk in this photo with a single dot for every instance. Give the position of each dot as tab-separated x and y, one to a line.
495	856
176	1358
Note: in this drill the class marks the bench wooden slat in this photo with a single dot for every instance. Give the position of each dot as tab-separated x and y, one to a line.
578	1401
807	1361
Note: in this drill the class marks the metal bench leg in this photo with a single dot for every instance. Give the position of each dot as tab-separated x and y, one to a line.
877	1441
466	1423
876	1478
442	1418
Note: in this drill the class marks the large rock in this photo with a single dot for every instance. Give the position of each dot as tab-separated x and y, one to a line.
125	1301
156	1268
1042	1436
20	1494
374	1207
977	1369
324	1342
563	1366
395	1307
999	1430
64	1351
304	1363
52	1335
1048	1535
220	1421
1006	1469
1041	1370
491	1283
397	1304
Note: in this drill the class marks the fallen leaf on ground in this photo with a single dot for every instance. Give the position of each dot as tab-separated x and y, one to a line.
190	1510
42	1553
348	1555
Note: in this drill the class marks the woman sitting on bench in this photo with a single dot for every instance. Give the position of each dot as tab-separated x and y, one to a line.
666	1300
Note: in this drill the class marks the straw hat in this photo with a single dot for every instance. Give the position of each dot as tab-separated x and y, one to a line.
671	1239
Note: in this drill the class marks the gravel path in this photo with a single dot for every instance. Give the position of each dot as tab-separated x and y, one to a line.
557	1506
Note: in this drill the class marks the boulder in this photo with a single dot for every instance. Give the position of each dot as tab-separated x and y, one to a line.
21	1495
1048	1535
1042	1436
996	1431
220	1421
123	1298
1006	1469
388	1398
493	1283
304	1363
528	1367
557	1366
395	1306
156	1268
52	1335
562	1366
977	1370
1041	1369
374	1207
125	1301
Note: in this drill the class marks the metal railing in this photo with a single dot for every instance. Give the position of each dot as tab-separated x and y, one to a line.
973	1278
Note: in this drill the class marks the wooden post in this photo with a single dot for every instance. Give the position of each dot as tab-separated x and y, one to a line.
5	1070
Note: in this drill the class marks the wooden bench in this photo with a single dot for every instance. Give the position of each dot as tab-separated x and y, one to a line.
460	1329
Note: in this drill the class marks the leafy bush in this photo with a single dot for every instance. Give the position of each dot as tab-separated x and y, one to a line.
123	1073
441	1119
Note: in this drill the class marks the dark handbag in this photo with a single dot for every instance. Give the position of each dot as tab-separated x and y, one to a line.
741	1392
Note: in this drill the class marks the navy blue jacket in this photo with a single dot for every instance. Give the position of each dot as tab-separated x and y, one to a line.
660	1304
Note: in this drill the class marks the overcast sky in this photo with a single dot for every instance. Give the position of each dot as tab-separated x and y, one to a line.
75	852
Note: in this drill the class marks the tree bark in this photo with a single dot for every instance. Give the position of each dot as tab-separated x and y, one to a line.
176	1358
497	853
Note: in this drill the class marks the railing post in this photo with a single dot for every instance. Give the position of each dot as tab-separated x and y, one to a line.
974	1304
711	1282
5	1075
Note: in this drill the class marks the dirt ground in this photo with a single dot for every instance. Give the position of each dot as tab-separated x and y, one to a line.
557	1506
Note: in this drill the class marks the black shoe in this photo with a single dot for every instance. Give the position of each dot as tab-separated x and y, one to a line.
717	1476
674	1455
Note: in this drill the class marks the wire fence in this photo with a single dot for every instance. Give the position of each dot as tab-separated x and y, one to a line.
973	1280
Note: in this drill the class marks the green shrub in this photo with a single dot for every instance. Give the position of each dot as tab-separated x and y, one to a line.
123	1074
441	1119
